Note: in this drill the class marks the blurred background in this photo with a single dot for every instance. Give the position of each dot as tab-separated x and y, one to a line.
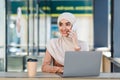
27	25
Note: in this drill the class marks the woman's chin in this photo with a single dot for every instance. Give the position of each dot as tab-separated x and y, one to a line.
65	35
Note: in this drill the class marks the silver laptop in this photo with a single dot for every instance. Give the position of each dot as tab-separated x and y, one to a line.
83	63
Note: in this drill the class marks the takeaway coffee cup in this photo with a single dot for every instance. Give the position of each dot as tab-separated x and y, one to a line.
32	67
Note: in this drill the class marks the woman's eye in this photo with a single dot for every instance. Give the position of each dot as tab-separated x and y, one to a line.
68	24
60	24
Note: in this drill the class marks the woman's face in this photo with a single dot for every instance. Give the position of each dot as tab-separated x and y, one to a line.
64	27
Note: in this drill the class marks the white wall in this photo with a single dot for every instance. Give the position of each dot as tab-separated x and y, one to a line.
84	29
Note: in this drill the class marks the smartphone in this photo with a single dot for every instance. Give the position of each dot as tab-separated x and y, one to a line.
74	28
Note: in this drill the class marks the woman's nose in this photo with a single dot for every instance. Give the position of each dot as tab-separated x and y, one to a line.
64	27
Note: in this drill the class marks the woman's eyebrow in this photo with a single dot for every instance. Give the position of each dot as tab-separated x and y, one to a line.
67	22
60	22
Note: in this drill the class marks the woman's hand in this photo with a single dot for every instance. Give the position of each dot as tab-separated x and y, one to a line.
60	70
73	35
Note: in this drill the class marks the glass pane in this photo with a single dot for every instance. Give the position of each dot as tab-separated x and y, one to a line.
25	31
16	34
2	35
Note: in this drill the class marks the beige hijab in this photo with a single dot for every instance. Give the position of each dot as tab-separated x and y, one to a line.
58	46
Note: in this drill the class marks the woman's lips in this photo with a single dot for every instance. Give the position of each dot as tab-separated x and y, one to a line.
64	32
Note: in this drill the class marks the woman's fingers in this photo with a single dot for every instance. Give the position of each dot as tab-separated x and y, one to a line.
72	33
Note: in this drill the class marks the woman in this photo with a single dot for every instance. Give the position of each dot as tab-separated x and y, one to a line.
67	42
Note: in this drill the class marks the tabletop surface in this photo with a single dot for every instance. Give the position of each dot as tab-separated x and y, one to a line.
51	75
